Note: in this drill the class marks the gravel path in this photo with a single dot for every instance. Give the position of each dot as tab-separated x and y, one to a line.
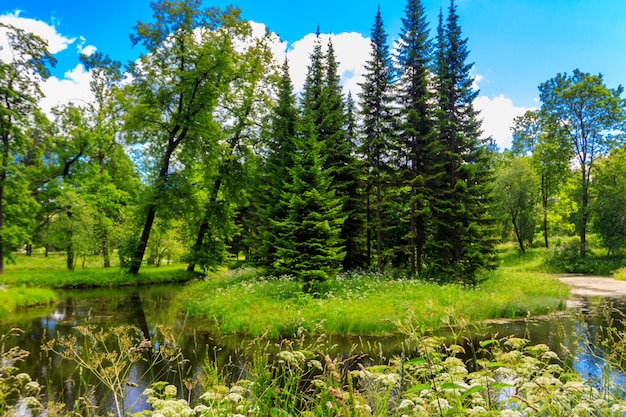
587	285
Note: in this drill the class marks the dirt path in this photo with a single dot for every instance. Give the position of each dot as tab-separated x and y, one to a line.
587	285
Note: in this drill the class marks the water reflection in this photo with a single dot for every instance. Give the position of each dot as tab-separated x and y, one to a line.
145	308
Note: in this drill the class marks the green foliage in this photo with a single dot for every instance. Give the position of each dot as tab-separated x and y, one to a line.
517	192
20	78
620	274
607	207
587	114
378	121
464	234
564	256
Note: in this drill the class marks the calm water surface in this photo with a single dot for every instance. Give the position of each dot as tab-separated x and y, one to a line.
147	307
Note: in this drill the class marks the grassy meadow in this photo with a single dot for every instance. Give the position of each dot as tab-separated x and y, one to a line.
241	301
51	271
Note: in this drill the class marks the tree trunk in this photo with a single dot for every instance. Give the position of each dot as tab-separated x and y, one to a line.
544	203
70	245
379	235
204	226
105	251
135	263
520	241
412	242
583	211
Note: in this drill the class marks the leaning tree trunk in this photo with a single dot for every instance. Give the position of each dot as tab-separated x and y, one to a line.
174	141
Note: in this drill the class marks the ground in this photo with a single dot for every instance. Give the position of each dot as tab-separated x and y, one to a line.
583	286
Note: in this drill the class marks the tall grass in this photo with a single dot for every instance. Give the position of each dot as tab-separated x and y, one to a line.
368	303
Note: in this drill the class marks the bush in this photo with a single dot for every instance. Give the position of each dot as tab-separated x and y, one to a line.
565	257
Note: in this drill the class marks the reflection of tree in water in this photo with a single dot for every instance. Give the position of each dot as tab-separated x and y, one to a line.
599	333
139	314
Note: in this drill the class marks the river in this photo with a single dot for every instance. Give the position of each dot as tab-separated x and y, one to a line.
150	306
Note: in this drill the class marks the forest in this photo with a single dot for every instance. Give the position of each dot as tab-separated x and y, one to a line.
201	152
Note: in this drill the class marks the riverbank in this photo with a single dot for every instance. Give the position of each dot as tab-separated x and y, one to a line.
15	298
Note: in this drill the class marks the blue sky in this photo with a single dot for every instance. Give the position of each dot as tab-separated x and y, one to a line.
514	44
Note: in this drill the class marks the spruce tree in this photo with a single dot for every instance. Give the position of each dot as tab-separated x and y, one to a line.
340	161
464	236
308	243
354	228
311	102
377	122
417	144
280	149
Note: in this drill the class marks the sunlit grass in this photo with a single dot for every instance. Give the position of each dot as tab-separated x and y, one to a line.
15	298
51	272
368	303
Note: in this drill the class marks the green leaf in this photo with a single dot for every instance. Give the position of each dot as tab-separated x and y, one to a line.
416	361
419	387
451	385
474	389
484	343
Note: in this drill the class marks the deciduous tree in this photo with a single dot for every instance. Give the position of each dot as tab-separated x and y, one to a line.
590	116
19	94
176	87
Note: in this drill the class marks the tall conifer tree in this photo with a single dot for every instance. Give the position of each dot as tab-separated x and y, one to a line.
377	115
280	152
354	228
341	162
464	235
308	243
417	144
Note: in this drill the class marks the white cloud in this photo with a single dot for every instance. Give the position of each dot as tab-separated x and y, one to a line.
73	87
85	49
498	114
351	50
56	41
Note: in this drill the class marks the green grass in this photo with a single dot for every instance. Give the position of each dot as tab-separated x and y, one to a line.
51	272
15	298
365	303
620	274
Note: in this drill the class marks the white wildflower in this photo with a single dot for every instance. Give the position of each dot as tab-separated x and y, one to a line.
234	397
510	413
170	391
237	389
480	410
406	404
441	405
388	379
